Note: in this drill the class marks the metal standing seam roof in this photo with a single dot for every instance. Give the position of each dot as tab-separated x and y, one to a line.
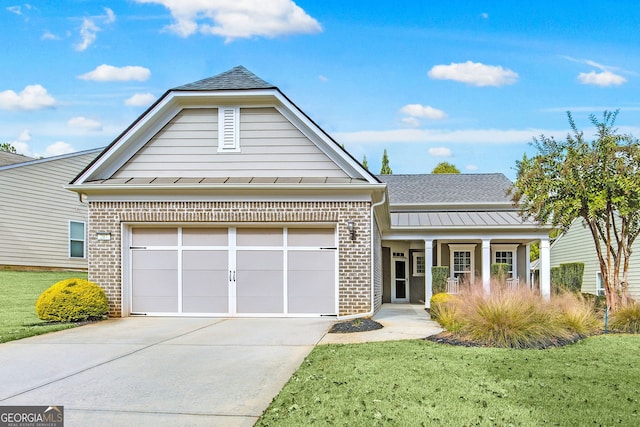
159	181
447	188
454	219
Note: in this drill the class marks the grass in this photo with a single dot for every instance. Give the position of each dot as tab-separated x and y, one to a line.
416	382
626	319
19	291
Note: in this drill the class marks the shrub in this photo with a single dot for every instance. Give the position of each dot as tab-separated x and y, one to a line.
556	277
72	300
572	275
499	271
626	319
439	275
443	310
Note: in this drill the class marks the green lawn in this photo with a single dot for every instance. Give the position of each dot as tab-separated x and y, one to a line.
18	294
412	383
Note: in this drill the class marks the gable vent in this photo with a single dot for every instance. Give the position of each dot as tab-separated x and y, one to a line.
228	134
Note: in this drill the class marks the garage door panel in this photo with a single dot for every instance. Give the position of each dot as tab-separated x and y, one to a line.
205	281
259	237
153	281
259	304
311	282
205	237
205	260
155	237
155	304
259	260
320	237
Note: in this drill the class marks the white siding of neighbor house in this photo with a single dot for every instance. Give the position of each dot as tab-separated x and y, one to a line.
577	245
270	146
35	211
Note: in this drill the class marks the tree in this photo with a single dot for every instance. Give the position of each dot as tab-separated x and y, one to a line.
445	167
364	163
386	169
598	181
5	146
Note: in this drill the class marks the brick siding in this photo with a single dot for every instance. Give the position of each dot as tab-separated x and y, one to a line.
105	256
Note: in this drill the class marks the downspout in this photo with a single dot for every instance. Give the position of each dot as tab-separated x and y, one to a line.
373	284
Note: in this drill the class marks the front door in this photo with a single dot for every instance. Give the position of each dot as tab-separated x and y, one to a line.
400	285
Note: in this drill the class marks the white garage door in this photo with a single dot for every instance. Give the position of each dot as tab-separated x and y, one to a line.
228	271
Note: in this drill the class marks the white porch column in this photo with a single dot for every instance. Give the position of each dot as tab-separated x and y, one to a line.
527	264
545	268
428	278
486	266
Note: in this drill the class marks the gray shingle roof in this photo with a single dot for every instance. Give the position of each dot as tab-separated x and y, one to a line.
7	158
447	188
237	78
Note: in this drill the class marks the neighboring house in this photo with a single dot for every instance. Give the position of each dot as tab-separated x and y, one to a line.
42	225
224	198
7	158
577	245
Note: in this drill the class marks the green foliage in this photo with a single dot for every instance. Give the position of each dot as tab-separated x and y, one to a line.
439	275
626	319
18	292
568	276
5	146
445	167
577	314
365	164
385	169
596	181
444	311
72	300
499	271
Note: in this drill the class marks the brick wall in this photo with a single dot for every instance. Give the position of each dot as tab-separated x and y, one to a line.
105	259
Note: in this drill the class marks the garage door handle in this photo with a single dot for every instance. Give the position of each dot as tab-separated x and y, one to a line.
232	275
137	247
328	249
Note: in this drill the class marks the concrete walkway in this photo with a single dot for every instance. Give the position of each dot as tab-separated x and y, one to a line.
162	371
400	321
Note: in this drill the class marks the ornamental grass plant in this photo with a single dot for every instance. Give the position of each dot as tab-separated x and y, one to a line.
626	319
516	318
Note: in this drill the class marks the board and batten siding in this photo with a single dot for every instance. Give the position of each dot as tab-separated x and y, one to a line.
35	212
270	146
576	245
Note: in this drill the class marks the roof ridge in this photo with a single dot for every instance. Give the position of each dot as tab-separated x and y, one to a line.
237	78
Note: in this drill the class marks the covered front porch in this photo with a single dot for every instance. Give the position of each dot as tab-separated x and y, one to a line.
408	261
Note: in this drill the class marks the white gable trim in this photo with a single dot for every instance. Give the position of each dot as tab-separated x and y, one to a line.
158	116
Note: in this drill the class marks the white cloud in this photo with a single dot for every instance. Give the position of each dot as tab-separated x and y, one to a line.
89	28
25	136
423	112
474	73
440	152
323	78
604	78
234	19
48	35
140	100
440	136
471	168
84	123
484	15
411	121
58	148
22	148
109	73
15	9
32	97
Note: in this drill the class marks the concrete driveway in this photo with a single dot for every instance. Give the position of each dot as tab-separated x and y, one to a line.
159	371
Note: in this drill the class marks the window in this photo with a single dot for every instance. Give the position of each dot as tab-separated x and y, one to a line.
506	254
599	284
228	129
418	264
462	261
76	239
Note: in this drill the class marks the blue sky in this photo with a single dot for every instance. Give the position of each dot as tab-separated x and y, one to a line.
470	83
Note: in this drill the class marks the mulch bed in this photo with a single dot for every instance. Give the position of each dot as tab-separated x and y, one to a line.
355	325
448	338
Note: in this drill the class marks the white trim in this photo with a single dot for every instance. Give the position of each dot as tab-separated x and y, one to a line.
84	239
502	247
205	195
414	269
405	260
228	129
457	247
600	283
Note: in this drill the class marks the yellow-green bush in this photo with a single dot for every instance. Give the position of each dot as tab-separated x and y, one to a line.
437	301
626	319
72	300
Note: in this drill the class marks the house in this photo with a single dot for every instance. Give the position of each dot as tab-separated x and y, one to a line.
577	245
224	198
42	225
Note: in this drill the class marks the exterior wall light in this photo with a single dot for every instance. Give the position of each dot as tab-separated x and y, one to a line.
351	227
103	235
